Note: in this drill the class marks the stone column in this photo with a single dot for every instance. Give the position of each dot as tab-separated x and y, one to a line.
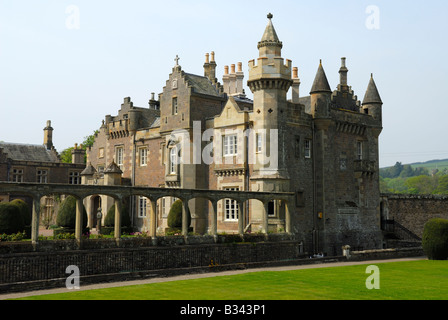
240	218
214	218
264	222
35	220
78	220
117	230
185	214
153	218
287	218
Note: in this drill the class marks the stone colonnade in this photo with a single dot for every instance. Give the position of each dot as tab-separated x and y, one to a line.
118	193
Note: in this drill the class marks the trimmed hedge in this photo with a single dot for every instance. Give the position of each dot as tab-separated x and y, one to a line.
11	219
435	239
67	214
175	216
109	221
25	211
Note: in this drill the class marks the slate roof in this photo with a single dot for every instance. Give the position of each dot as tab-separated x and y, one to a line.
202	85
372	96
320	83
29	152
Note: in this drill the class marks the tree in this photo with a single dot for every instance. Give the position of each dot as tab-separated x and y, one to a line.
175	216
396	170
442	187
407	171
66	154
421	184
67	214
109	221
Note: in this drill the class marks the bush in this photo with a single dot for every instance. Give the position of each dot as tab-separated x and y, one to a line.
24	211
435	239
67	214
109	221
175	216
11	221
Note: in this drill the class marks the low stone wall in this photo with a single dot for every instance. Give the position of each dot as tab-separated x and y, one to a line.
137	242
383	254
24	271
413	211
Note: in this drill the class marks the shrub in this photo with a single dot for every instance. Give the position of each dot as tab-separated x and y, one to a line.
24	211
435	239
11	221
67	214
175	216
109	221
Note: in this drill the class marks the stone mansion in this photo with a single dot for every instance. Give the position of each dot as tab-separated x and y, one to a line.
199	133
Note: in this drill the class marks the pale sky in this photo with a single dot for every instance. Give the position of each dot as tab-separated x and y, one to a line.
73	62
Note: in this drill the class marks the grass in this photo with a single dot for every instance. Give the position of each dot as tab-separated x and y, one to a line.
411	280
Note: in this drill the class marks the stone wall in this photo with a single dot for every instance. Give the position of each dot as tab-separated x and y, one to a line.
413	211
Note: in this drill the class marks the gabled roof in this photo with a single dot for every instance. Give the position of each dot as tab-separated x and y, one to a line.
320	83
29	152
372	96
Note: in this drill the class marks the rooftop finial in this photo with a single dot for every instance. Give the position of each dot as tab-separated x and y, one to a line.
177	60
270	16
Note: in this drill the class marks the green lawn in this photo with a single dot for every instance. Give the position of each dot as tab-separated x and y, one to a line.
423	279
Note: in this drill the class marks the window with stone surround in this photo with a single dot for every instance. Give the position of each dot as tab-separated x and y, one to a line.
142	206
143	156
307	148
17	175
173	161
231	208
74	177
230	145
42	175
174	106
119	157
359	150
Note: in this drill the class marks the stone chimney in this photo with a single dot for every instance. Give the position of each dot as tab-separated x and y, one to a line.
295	85
78	154
210	67
233	81
48	136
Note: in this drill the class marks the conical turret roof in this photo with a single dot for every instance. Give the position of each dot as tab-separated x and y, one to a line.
270	37
320	83
372	96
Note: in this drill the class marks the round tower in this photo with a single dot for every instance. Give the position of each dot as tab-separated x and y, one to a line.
372	103
320	94
269	81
